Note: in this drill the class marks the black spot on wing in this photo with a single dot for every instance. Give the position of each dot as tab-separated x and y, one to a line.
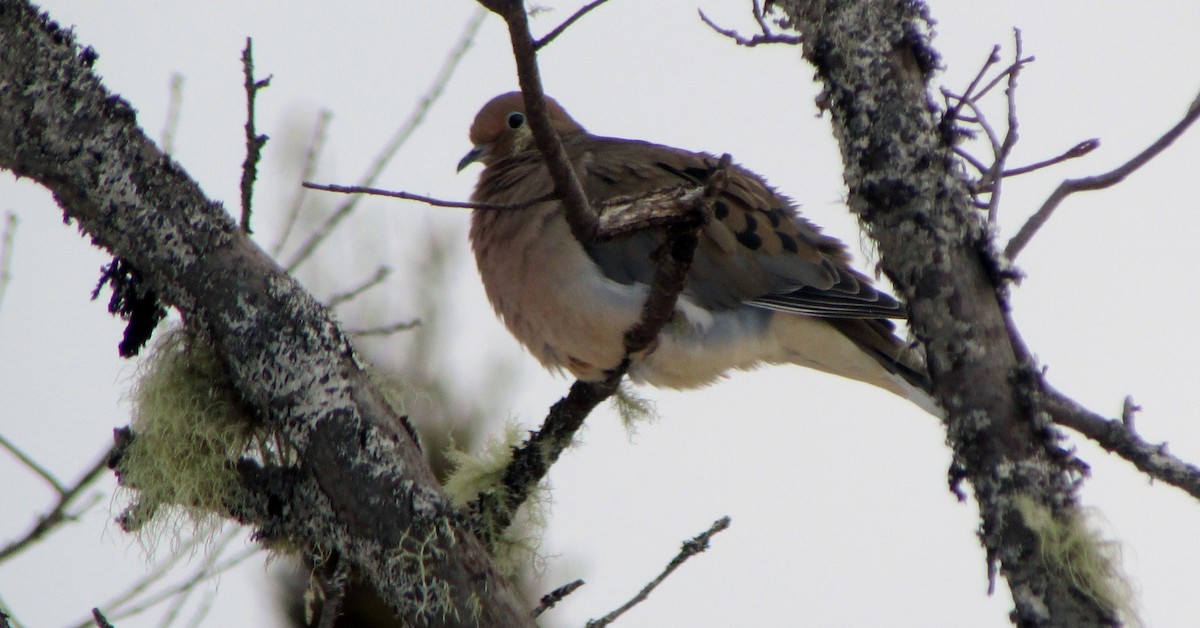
749	238
787	242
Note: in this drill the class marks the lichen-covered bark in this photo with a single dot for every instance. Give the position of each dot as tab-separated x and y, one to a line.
874	61
361	490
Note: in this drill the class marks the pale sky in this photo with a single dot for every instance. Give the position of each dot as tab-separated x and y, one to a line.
841	516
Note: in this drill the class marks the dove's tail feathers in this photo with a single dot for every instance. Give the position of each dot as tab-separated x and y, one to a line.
861	349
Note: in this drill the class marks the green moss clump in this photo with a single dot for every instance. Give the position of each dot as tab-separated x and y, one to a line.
516	547
1075	551
190	428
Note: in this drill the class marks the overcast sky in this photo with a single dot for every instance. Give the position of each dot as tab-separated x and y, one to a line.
841	515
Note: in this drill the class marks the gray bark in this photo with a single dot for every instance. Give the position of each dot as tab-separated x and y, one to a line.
361	489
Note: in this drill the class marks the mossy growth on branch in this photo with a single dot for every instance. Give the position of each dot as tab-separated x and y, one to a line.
1075	551
516	547
190	428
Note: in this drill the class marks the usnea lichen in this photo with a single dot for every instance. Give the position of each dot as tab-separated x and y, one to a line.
515	547
189	430
1076	552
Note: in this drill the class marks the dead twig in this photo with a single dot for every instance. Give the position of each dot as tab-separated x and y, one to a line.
690	548
385	330
1010	136
254	141
6	248
174	104
554	597
1076	151
558	30
1119	437
307	169
428	200
381	274
765	37
58	513
1097	182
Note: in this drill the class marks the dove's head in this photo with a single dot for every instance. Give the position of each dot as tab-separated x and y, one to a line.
500	128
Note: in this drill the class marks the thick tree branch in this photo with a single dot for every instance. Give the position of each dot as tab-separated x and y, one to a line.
874	62
362	488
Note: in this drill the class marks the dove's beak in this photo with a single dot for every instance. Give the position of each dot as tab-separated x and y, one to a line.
471	157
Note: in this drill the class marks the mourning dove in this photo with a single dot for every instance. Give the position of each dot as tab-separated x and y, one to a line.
765	287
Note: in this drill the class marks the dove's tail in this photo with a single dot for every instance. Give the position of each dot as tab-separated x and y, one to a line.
865	350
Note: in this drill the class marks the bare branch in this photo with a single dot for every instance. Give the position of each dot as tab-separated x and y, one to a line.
1119	437
558	30
1097	182
33	465
58	513
552	598
307	169
766	37
6	248
254	141
174	104
381	274
385	330
389	150
690	549
100	619
356	189
1076	151
1010	135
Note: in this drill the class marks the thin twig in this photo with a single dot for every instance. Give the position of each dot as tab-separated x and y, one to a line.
389	150
100	619
381	274
33	465
357	189
952	113
6	249
1076	151
690	549
58	513
254	141
118	610
174	104
1010	136
558	30
971	159
385	330
1097	182
766	37
307	169
1129	410
1119	438
552	598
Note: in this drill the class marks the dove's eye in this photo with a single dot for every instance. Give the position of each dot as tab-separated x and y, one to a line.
515	120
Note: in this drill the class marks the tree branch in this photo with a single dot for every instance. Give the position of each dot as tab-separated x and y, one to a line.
1119	437
362	487
875	62
1097	182
690	548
